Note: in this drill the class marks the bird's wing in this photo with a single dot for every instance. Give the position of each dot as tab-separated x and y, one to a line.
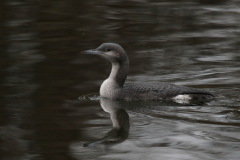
163	89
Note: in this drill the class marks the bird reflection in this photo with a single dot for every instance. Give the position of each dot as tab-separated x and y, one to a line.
120	120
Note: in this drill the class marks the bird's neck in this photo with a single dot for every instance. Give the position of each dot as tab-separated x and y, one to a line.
115	81
119	73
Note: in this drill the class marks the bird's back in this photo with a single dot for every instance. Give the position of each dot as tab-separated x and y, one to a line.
162	90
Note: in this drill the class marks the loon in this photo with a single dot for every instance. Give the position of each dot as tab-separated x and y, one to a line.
113	87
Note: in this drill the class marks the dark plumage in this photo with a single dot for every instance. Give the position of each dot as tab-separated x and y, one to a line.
164	90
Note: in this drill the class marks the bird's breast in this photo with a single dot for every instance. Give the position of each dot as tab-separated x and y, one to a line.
109	89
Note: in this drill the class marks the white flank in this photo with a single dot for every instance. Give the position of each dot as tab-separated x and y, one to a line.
182	98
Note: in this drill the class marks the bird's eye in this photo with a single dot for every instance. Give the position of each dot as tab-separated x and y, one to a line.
108	50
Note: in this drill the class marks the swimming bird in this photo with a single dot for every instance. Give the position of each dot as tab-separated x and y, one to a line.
113	87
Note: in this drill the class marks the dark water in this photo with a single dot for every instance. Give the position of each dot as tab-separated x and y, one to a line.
49	91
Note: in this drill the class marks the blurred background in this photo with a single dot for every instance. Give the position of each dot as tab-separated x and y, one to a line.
49	90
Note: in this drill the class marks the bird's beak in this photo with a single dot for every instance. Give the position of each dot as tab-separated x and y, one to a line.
92	51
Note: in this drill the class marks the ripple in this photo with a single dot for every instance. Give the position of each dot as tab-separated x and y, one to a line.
216	58
91	97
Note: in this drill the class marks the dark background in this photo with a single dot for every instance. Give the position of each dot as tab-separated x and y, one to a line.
48	90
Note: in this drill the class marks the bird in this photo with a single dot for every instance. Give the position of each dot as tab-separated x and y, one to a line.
113	87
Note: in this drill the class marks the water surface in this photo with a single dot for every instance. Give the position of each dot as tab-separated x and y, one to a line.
50	107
